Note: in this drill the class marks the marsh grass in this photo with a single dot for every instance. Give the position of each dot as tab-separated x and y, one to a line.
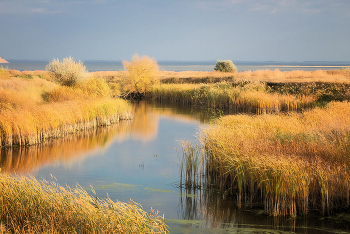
4	73
89	89
322	91
240	96
289	164
31	206
35	125
33	110
191	166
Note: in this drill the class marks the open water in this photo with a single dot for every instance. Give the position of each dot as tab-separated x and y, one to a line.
92	66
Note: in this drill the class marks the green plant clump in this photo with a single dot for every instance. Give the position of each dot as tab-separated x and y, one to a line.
225	66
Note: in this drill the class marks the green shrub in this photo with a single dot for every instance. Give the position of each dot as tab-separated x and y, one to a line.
67	72
225	66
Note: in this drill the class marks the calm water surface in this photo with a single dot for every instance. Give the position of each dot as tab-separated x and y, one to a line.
92	66
139	160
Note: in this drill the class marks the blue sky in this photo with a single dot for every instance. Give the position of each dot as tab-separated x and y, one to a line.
244	30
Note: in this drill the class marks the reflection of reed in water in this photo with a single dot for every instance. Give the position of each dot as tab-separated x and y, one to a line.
218	211
202	198
67	149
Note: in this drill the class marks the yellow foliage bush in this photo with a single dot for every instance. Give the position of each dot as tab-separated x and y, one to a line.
142	74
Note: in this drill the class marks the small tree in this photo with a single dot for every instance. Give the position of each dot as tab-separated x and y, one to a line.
142	74
67	72
225	66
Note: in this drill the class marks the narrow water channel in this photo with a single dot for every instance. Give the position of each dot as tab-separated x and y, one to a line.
139	160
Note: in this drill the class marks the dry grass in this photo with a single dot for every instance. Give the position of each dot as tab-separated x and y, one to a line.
25	117
31	206
34	125
291	164
241	96
266	75
90	89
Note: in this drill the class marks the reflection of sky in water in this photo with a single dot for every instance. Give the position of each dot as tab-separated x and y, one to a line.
147	169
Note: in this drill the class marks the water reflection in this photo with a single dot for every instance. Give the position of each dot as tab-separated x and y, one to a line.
222	214
67	150
72	148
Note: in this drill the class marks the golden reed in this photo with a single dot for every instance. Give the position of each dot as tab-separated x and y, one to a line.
290	164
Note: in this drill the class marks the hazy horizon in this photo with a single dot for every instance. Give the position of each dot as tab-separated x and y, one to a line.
180	30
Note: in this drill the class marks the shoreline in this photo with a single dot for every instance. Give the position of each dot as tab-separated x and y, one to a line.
63	131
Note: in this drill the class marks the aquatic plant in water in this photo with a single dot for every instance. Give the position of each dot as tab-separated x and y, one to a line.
290	164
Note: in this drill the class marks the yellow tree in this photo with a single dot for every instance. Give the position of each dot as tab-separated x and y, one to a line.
142	74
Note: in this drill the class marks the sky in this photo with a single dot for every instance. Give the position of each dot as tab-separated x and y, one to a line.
185	30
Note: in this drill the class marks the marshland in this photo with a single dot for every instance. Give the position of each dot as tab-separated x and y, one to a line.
213	151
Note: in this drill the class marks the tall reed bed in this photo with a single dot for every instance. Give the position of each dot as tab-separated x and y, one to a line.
34	110
295	76
36	124
241	96
290	164
31	206
264	75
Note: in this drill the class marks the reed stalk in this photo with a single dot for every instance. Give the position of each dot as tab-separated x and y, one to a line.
31	206
242	96
35	125
290	163
34	110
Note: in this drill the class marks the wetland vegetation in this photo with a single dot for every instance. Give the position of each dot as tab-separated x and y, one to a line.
290	159
32	206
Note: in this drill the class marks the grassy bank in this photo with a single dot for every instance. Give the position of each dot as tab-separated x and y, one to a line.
266	75
238	95
33	109
259	91
289	164
31	206
69	149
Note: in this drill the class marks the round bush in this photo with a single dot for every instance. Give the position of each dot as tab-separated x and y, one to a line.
225	66
67	72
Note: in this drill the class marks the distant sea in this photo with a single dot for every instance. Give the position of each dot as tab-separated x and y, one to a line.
92	66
